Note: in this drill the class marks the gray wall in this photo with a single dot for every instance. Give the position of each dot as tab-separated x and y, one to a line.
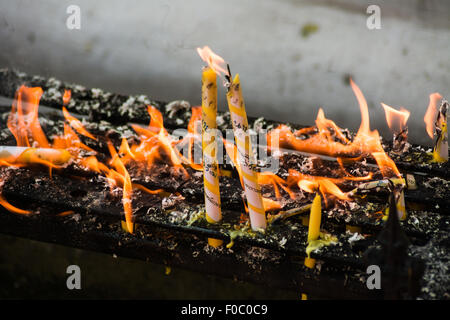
149	47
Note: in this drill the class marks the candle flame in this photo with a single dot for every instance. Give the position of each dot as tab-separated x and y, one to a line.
387	165
66	97
330	139
431	114
214	61
23	121
396	119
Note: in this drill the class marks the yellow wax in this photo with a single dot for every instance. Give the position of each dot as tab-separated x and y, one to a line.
215	242
400	206
128	228
310	262
314	218
209	98
353	229
209	145
314	226
440	152
237	107
209	112
168	270
240	126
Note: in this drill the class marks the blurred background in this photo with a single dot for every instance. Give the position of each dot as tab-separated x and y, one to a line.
292	56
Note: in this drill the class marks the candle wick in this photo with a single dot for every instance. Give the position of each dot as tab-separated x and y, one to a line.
227	82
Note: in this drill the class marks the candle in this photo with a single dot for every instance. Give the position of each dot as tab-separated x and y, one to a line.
240	127
400	203
388	168
209	143
440	151
209	146
397	190
315	217
25	155
397	120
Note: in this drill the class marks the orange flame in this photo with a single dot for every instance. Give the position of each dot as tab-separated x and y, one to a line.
157	145
327	128
364	128
70	140
65	213
24	125
23	120
327	186
270	205
120	175
307	183
431	114
91	163
387	166
275	181
194	125
11	208
308	186
194	134
155	142
396	119
66	97
329	139
76	124
232	152
214	61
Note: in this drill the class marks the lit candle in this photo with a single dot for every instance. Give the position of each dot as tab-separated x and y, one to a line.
436	123
396	120
400	203
388	168
209	146
314	225
209	143
240	127
440	151
399	197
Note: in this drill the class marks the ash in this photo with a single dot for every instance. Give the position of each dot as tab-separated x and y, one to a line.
436	255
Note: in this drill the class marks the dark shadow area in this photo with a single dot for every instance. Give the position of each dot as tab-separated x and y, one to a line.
36	270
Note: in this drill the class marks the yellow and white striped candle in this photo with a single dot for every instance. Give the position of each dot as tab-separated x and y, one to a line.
209	146
209	143
242	138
